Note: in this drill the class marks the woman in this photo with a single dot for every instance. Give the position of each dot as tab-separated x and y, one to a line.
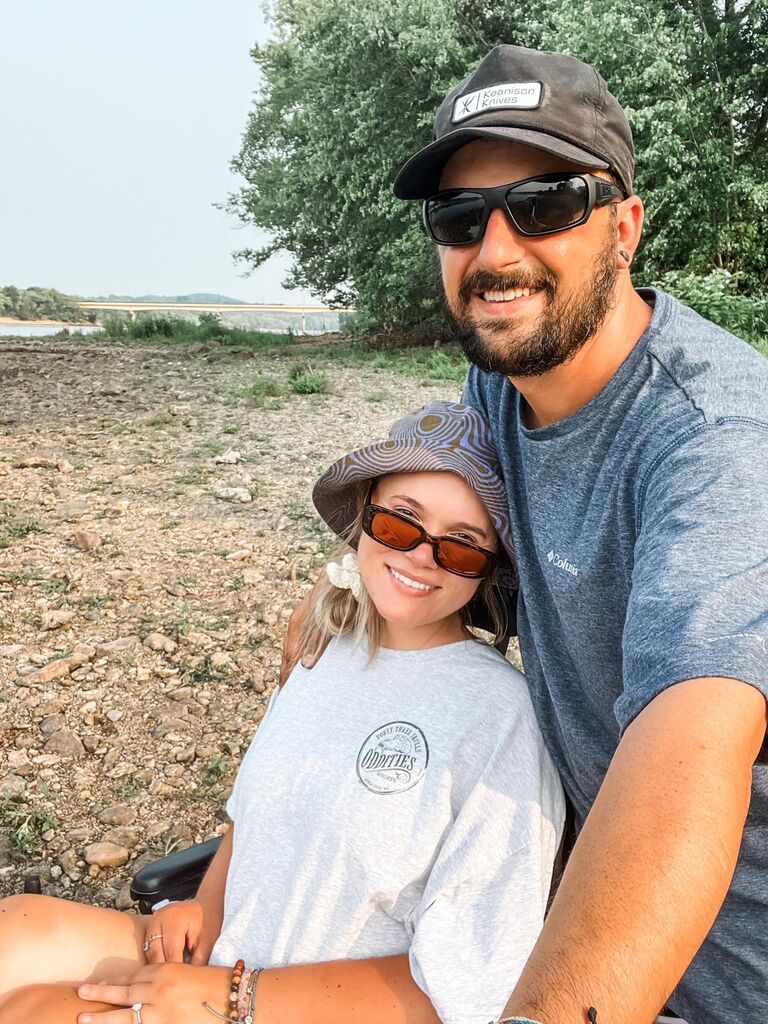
396	818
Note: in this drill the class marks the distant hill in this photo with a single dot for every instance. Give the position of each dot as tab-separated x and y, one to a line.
194	297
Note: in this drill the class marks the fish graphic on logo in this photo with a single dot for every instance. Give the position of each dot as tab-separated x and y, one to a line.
393	758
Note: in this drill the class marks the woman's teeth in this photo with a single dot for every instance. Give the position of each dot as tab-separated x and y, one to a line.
509	295
408	582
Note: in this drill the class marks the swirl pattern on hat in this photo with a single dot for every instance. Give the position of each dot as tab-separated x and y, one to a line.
440	437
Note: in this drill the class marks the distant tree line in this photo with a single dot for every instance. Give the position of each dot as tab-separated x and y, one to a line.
350	91
41	304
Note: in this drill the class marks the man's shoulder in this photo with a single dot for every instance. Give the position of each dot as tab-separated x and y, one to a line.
717	374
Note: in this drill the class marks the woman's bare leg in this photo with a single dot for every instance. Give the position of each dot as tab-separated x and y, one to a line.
45	1004
44	940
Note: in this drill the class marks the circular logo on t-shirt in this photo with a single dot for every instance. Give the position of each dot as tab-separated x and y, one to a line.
393	758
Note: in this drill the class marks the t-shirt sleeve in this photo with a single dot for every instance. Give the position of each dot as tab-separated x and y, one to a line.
473	393
483	904
233	804
698	604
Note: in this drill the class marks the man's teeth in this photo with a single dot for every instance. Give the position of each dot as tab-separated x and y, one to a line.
408	582
509	295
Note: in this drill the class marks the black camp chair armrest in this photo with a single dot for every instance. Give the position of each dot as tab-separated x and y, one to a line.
175	877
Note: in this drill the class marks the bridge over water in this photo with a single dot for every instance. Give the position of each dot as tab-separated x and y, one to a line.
134	308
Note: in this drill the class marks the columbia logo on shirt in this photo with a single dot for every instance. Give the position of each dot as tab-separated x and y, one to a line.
559	562
393	758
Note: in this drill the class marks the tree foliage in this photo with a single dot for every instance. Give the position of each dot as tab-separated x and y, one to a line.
39	304
350	91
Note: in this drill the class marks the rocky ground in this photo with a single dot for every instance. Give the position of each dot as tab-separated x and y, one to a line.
156	530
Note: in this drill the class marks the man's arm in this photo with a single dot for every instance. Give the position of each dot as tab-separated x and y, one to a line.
654	860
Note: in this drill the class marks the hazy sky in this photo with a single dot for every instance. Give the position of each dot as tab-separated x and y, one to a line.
117	125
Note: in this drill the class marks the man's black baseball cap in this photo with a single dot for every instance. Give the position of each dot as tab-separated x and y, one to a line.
545	100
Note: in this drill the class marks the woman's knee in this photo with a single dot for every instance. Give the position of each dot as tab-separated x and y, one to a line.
43	1004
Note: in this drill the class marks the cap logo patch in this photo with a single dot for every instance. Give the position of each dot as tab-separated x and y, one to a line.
522	95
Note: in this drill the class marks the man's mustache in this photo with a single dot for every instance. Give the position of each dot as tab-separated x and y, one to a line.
485	281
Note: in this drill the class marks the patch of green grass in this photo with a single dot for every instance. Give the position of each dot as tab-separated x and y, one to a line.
377	396
262	392
164	419
91	602
120	428
172	524
306	381
215	770
21	577
206	672
17	531
24	826
230	428
197	475
222	621
236	583
53	586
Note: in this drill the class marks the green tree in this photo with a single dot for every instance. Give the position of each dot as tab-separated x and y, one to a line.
350	91
38	304
693	78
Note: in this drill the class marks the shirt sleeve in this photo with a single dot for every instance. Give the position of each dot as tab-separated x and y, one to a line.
483	904
698	604
233	804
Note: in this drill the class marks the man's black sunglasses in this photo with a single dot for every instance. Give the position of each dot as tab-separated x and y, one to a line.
536	206
461	557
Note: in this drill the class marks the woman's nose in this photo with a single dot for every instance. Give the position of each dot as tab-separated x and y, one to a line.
423	555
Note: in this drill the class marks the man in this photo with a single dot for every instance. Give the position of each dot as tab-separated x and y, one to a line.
633	435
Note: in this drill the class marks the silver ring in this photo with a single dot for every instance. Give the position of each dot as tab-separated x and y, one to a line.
150	940
137	1010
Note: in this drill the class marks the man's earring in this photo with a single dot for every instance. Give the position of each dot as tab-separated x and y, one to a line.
625	256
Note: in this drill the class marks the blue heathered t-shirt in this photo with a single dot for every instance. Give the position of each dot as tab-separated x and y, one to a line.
641	530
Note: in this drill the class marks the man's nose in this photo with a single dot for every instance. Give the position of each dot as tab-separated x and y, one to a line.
501	244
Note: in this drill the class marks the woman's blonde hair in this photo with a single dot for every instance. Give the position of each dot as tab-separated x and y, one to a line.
336	612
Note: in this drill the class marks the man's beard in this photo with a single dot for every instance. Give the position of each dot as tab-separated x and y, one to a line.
564	327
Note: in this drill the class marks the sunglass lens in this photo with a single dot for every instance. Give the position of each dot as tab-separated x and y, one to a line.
394	532
537	206
460	558
456	219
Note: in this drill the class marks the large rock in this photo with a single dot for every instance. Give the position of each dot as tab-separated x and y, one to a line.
106	855
119	646
57	618
85	540
53	670
118	814
73	509
160	642
66	743
12	788
234	494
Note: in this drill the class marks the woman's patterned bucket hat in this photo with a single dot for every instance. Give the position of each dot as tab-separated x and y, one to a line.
442	437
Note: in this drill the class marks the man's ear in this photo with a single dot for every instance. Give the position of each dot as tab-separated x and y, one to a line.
630	215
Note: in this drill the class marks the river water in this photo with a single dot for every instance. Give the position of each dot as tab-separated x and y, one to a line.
23	330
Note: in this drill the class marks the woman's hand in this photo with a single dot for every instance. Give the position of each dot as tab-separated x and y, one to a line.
177	928
168	993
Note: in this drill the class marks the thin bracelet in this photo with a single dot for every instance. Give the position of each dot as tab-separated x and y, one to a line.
248	1019
237	973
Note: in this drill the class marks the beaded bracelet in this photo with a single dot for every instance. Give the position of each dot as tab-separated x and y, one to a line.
232	1014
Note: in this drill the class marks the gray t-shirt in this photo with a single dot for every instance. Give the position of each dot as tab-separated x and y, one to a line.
406	805
641	529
